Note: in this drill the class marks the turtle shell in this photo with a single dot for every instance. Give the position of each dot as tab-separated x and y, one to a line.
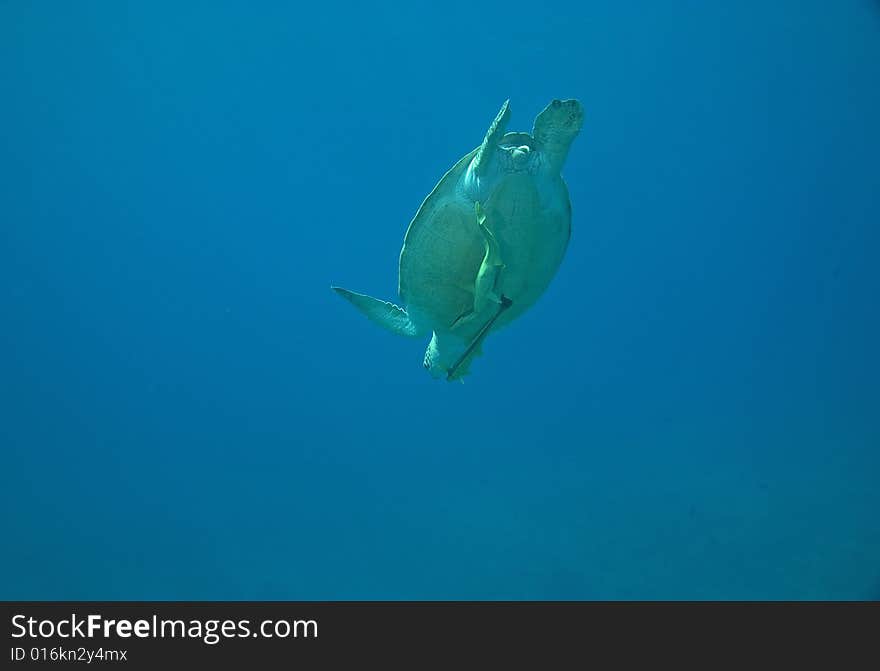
528	213
442	252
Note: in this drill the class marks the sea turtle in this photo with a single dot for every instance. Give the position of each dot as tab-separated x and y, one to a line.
485	243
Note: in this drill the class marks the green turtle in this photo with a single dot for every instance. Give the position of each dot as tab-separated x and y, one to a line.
485	243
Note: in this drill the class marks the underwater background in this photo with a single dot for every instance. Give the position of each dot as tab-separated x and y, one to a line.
691	411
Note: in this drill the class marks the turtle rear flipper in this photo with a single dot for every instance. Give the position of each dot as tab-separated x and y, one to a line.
457	369
387	315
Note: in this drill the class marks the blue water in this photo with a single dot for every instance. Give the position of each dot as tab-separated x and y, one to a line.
188	412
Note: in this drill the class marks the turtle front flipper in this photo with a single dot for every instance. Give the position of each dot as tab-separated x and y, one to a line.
481	162
485	284
490	269
386	314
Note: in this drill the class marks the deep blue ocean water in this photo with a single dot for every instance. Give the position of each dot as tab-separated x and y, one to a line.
691	411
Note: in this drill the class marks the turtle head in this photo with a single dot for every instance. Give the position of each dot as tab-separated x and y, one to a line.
555	129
